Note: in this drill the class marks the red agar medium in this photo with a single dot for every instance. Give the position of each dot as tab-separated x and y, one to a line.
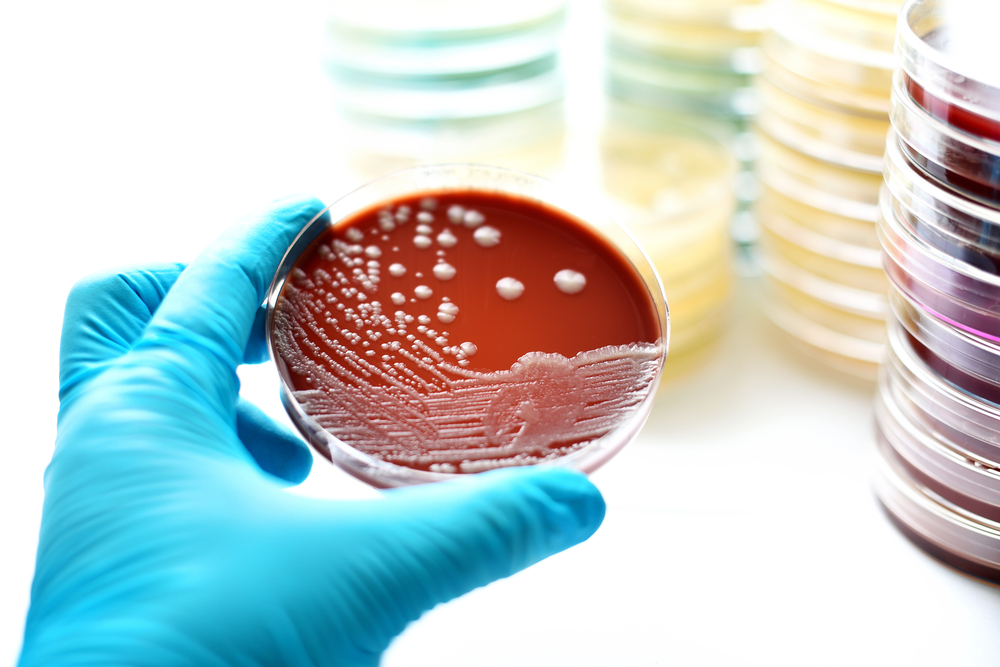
462	331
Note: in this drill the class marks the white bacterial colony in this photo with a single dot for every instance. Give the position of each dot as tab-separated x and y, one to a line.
569	281
383	380
510	288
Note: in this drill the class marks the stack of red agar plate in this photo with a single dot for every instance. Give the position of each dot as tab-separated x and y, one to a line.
938	409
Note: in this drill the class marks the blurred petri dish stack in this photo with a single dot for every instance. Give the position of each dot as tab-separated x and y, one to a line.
825	100
672	188
676	149
685	56
938	407
433	81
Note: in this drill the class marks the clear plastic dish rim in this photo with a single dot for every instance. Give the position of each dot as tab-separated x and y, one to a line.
932	508
932	69
922	253
910	187
436	180
947	457
914	375
953	345
945	138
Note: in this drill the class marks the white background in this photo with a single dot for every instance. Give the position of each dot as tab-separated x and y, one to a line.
740	529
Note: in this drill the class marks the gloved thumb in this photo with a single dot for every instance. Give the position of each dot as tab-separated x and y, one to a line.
457	536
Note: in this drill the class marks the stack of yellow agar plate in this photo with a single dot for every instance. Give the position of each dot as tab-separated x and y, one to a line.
825	98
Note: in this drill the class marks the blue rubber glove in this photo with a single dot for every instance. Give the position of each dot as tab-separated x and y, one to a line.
166	536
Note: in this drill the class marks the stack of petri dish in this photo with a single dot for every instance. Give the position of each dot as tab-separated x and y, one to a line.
938	408
825	100
672	188
676	161
448	81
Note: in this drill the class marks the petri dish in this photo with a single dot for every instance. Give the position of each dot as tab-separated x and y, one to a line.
951	534
956	225
824	185
960	477
745	15
504	91
673	85
948	63
966	361
852	239
856	268
441	321
855	30
706	45
531	140
432	20
962	161
847	353
953	290
947	412
411	55
824	131
840	72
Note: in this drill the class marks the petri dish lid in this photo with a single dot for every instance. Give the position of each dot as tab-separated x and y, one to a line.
672	173
970	156
830	187
960	476
968	423
694	45
361	53
970	354
794	67
827	133
508	91
835	348
745	15
949	49
952	534
440	19
873	305
935	205
837	31
820	244
957	280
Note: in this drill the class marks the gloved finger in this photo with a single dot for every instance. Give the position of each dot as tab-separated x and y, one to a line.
204	323
256	352
448	539
276	449
105	314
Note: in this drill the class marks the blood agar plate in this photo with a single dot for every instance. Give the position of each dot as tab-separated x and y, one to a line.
964	479
969	362
961	160
947	49
954	415
954	224
954	290
384	321
955	536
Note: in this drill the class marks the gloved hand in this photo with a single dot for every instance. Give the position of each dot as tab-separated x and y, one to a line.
166	536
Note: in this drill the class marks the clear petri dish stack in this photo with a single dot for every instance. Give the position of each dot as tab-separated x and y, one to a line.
824	113
448	81
671	187
938	409
677	153
691	62
685	56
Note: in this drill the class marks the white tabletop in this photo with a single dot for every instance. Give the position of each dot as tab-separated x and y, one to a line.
740	526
